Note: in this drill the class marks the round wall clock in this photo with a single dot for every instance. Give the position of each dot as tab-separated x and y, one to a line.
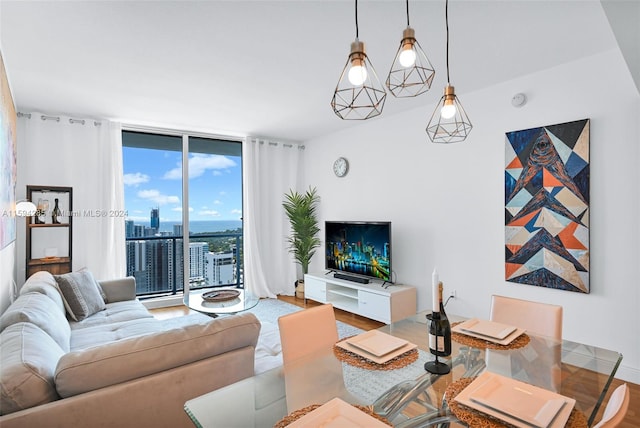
341	167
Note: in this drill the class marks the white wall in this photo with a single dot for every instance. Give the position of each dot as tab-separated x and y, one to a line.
446	202
7	275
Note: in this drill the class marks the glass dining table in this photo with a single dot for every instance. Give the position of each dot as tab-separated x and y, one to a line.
408	396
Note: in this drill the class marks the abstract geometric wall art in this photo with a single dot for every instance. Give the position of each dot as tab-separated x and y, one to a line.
8	166
547	206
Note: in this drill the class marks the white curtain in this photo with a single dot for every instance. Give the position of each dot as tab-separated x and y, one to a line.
271	169
86	155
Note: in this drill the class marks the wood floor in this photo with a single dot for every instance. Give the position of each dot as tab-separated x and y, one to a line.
632	419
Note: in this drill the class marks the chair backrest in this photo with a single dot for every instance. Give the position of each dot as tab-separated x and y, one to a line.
538	318
616	408
307	331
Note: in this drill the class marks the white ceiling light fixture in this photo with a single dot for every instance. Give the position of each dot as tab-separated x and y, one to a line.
359	94
449	122
411	73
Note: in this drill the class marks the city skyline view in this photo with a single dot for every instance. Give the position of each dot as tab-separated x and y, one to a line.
153	179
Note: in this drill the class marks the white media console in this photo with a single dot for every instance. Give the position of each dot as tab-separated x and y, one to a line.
393	303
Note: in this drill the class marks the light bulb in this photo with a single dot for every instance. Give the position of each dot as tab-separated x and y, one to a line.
448	110
26	209
408	56
357	74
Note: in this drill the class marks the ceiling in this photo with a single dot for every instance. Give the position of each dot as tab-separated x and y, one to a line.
268	68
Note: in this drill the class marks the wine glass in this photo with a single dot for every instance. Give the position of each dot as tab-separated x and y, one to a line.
43	211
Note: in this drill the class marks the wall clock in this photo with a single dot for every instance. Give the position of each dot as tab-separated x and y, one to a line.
341	167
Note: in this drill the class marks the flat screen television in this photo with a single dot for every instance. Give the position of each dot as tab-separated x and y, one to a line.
358	248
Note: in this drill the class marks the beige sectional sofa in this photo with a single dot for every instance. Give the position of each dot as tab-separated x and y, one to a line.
118	367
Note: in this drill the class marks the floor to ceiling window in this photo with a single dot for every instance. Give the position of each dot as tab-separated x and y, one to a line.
183	195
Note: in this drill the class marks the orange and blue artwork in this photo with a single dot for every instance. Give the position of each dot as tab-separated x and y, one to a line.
547	206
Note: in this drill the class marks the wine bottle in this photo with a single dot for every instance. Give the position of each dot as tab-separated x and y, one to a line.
440	330
56	213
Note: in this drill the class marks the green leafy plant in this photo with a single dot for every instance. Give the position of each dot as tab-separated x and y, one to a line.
301	211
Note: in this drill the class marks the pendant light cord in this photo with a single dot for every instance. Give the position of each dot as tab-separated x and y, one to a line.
356	19
408	13
446	20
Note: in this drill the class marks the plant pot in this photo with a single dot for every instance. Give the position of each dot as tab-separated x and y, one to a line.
300	289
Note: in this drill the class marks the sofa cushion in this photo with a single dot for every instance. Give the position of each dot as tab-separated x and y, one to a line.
44	283
101	334
114	313
40	310
28	363
268	348
117	362
81	293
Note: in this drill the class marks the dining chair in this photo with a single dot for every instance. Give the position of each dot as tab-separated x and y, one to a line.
304	333
538	318
616	408
541	319
308	331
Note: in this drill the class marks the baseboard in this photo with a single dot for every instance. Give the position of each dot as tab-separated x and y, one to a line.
628	374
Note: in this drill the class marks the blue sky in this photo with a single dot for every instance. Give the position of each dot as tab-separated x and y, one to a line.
153	178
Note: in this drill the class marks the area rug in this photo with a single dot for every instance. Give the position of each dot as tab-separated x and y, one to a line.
365	384
267	311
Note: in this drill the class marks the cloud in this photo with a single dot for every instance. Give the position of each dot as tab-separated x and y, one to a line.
179	209
135	179
217	202
199	164
209	213
238	212
157	197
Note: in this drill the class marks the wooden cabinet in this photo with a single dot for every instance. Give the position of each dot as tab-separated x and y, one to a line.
387	305
49	232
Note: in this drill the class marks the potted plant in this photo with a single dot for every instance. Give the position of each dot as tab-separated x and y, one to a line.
303	241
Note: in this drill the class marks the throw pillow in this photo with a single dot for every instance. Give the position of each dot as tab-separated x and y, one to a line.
81	294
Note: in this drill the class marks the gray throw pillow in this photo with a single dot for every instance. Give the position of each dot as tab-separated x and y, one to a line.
81	294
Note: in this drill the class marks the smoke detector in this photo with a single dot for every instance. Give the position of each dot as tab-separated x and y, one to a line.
519	100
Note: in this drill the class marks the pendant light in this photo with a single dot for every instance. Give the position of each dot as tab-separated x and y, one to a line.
411	73
359	94
449	122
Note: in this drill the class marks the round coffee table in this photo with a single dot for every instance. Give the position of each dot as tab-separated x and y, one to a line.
244	301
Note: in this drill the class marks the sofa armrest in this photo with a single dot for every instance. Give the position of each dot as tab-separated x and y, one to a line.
125	360
118	290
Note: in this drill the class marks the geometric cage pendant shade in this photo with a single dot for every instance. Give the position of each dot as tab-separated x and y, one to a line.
449	122
359	95
411	73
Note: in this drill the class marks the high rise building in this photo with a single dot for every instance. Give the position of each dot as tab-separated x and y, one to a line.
197	259
220	268
129	228
138	231
155	265
155	219
177	230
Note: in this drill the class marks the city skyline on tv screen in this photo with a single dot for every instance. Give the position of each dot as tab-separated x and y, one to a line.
359	248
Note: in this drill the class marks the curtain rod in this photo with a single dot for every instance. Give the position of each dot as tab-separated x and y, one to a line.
57	119
276	143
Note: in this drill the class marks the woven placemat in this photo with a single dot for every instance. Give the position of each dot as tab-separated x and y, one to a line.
477	419
356	360
297	414
519	342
